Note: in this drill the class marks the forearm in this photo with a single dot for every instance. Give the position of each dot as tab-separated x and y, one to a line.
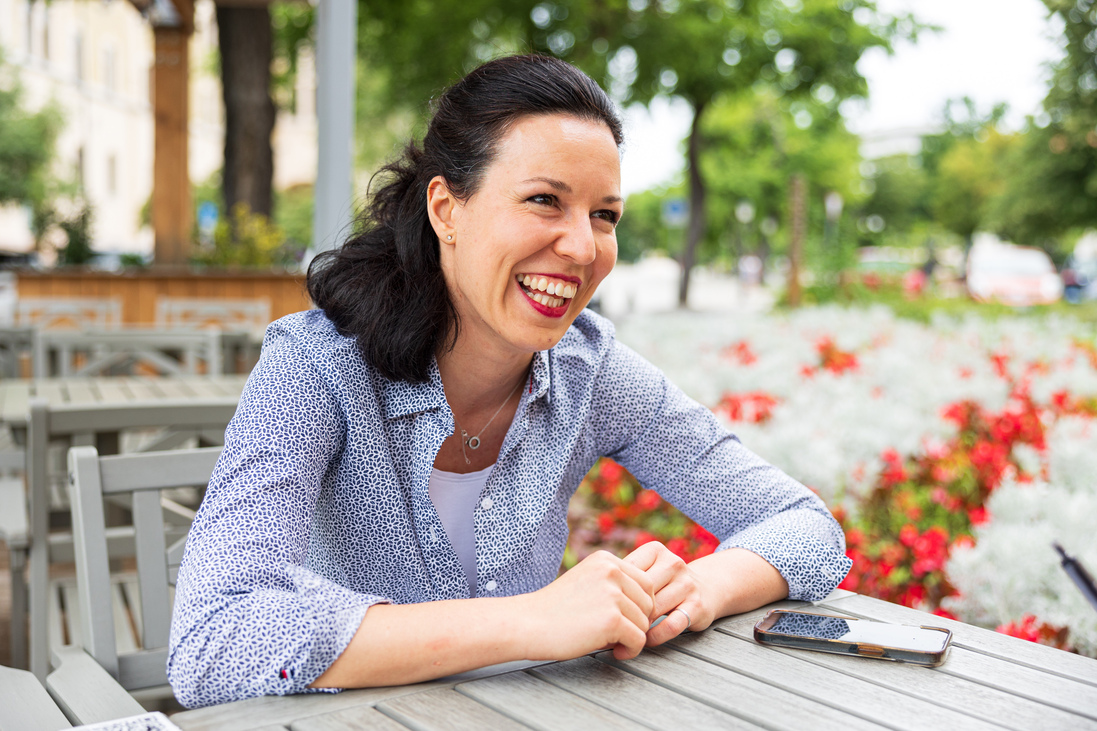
739	580
409	643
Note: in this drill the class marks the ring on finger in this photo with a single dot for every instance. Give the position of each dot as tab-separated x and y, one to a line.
689	621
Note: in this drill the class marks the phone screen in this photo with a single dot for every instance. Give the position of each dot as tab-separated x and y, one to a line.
859	631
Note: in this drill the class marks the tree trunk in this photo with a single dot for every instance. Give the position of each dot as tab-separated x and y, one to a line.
797	209
697	221
244	35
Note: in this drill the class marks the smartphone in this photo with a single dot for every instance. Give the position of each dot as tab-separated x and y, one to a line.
863	637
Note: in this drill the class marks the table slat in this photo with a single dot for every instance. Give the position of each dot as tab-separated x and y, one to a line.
542	705
113	391
254	713
53	391
352	719
737	694
820	683
1054	690
16	402
445	710
80	391
1013	649
141	388
633	697
946	690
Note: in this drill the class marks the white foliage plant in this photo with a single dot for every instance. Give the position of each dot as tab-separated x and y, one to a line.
829	429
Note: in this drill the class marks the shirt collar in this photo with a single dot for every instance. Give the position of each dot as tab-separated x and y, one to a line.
402	398
542	376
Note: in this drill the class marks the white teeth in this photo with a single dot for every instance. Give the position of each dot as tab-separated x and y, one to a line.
555	292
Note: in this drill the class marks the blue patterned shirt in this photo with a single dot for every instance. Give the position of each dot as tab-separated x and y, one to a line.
319	506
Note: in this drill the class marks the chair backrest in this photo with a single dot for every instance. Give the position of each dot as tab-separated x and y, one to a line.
97	425
148	352
142	476
70	313
226	313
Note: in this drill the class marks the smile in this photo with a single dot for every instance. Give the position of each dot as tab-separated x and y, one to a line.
547	291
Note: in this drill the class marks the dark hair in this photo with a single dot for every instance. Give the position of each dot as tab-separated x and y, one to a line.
384	286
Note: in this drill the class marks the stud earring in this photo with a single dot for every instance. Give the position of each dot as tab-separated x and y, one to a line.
449	237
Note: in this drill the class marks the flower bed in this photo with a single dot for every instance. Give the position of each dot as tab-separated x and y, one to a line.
953	454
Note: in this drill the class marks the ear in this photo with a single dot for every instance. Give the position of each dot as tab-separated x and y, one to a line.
443	208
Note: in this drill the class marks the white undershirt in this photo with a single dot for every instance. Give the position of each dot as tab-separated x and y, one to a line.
455	497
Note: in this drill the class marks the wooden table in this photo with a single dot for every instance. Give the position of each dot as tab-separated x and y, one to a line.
720	679
15	395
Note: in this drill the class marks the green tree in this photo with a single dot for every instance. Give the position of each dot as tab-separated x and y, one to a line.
968	178
898	197
27	151
702	49
1053	172
756	141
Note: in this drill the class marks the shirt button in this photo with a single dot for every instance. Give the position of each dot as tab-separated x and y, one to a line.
491	585
486	503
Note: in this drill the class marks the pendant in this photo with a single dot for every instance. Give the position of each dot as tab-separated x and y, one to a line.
474	442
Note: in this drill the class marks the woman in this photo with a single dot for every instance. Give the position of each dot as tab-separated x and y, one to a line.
391	502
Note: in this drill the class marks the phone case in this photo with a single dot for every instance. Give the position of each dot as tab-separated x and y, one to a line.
839	647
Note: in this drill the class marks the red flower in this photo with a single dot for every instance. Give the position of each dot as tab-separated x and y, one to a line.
944	613
611	471
606	523
740	352
893	472
978	515
1026	630
648	500
679	547
643	537
833	358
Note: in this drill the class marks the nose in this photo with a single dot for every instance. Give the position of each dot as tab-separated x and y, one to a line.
577	242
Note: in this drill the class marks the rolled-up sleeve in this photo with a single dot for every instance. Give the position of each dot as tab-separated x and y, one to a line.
676	446
250	618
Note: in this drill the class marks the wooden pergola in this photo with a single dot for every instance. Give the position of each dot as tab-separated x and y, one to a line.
172	24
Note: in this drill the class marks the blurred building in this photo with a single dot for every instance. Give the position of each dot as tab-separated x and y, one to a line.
94	60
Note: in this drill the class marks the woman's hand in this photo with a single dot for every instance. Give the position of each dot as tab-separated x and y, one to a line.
677	587
603	602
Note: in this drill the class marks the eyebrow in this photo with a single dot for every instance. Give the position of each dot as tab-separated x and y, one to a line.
565	188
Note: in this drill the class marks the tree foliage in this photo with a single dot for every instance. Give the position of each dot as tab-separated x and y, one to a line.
27	148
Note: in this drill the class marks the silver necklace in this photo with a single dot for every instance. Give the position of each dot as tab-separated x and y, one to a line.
473	442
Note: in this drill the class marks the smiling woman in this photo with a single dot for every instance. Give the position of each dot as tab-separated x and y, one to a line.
359	531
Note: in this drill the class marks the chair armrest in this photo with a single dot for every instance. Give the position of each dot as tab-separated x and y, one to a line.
25	704
85	692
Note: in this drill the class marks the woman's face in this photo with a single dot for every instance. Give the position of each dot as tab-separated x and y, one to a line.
532	244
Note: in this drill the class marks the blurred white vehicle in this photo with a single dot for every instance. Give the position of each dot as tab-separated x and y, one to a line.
1012	275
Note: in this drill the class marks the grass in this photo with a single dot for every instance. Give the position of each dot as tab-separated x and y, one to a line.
925	306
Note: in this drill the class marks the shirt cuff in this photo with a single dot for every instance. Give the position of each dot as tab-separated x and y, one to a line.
812	565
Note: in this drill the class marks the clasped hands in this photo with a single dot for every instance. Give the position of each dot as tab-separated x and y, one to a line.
609	602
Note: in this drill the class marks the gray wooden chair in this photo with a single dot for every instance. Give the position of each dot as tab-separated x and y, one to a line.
200	421
71	313
141	478
25	704
106	353
225	313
